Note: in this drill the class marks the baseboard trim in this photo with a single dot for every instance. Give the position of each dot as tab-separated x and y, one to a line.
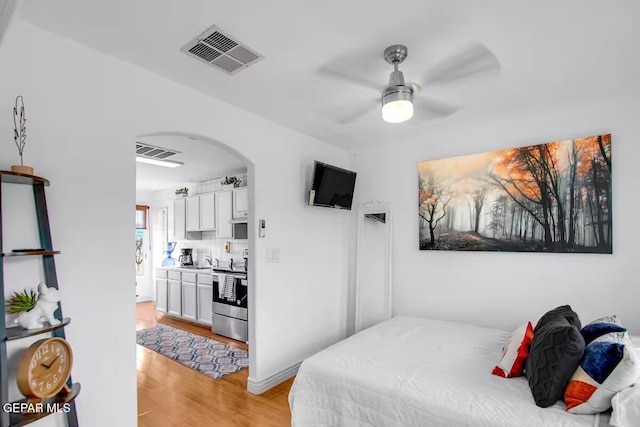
144	298
259	387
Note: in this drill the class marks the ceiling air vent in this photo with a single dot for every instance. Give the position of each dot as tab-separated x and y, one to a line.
151	152
218	49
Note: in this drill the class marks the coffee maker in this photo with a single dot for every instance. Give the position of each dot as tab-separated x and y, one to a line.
186	258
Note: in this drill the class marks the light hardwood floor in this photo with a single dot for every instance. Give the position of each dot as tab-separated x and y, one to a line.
172	395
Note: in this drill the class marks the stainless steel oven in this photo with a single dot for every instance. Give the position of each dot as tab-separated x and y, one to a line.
229	305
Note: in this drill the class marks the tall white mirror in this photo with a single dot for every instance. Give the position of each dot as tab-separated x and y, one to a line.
373	265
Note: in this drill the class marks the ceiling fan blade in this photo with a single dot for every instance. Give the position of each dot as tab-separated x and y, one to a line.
345	77
432	109
358	114
475	59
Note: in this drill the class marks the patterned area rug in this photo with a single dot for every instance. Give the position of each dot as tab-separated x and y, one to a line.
212	358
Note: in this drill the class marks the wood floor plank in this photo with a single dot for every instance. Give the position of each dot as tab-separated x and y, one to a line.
170	394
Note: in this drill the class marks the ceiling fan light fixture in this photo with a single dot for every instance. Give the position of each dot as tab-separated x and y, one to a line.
397	104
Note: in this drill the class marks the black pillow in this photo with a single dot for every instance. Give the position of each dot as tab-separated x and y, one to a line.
562	311
555	353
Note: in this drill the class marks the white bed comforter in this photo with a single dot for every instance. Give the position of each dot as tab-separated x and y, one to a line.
418	372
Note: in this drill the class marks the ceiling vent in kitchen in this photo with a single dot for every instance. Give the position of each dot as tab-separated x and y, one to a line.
219	50
151	152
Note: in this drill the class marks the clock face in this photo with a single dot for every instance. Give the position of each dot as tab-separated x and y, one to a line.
45	367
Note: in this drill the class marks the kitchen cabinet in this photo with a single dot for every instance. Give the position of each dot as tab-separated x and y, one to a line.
224	213
161	295
204	289
193	213
174	298
185	294
208	212
179	219
189	304
161	289
201	213
240	203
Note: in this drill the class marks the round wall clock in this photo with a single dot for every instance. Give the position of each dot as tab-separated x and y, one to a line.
44	368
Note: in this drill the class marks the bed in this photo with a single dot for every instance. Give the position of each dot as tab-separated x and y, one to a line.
411	371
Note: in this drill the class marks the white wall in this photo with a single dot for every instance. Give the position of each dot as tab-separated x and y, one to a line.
505	289
85	110
8	12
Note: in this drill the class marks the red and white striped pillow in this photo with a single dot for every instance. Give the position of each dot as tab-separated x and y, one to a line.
515	353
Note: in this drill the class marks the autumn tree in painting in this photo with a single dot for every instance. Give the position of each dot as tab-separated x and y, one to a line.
433	195
549	197
475	202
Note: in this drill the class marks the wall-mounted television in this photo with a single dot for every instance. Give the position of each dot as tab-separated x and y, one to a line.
332	187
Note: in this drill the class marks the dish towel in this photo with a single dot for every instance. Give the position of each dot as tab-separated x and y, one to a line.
230	288
222	282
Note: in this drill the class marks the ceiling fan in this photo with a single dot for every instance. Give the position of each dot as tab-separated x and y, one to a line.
398	96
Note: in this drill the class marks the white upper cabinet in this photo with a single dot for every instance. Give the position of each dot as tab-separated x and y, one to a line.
207	212
179	219
201	212
223	208
240	203
193	213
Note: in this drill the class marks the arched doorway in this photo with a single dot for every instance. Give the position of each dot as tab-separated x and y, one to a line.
210	153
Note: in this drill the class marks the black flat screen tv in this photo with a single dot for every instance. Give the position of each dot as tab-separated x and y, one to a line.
332	187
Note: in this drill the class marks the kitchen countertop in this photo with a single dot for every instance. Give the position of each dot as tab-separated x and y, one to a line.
207	270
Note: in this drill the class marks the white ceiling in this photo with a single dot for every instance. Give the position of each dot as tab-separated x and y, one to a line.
202	161
549	51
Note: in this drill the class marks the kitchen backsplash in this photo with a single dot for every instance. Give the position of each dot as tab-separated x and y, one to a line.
213	247
209	245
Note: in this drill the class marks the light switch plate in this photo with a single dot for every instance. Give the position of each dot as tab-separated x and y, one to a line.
273	255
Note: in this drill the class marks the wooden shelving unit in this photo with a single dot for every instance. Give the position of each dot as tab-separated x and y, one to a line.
29	253
17	332
18	420
14	333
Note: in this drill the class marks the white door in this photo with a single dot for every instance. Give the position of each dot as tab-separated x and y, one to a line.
208	212
144	279
179	219
223	208
174	295
205	298
161	295
240	203
193	213
189	306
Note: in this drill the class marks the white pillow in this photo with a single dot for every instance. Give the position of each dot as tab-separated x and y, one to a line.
515	353
609	365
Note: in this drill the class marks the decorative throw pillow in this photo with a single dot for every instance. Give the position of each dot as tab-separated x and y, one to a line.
600	327
564	311
515	352
609	365
555	353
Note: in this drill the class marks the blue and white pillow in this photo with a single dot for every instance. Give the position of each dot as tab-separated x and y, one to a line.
608	366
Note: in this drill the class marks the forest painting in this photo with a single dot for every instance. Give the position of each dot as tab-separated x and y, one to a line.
553	197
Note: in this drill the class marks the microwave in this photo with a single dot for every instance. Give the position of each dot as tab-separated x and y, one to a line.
240	230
